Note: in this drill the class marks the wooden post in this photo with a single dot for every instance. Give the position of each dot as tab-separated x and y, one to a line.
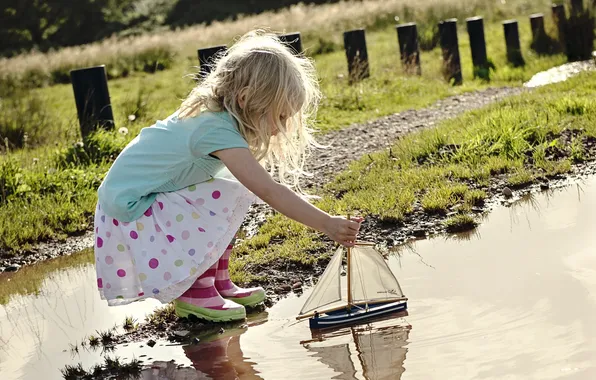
407	36
514	55
475	26
541	42
293	40
450	48
576	7
560	20
207	56
537	25
92	99
356	54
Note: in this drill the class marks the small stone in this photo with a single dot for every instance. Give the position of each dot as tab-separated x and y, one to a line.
507	192
2	269
181	333
297	285
13	268
151	343
419	232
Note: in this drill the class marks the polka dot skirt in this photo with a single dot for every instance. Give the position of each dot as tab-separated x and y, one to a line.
177	239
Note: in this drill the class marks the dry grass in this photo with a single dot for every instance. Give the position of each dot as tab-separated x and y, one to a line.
322	20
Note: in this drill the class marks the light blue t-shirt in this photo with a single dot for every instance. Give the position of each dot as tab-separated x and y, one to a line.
167	156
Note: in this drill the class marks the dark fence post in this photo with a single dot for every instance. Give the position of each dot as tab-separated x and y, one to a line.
356	54
559	19
450	48
579	32
407	37
537	25
576	6
475	26
293	40
207	56
541	42
92	99
514	55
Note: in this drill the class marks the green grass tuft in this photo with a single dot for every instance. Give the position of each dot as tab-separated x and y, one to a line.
460	223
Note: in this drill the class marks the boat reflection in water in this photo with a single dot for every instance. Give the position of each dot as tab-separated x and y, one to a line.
372	351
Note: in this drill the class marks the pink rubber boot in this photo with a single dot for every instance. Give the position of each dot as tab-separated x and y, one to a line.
203	301
247	297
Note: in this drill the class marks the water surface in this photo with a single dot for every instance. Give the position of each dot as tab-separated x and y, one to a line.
516	299
44	312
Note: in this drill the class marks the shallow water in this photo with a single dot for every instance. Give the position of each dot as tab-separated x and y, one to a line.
516	299
38	326
561	73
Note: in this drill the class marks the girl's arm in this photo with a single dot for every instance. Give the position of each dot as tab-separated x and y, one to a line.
247	170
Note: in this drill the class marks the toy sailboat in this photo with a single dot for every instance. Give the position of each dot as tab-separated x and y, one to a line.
372	290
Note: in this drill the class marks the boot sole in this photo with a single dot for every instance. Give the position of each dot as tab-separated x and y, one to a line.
250	301
183	310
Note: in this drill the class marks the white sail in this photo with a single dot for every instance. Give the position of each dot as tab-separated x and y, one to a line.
327	293
371	278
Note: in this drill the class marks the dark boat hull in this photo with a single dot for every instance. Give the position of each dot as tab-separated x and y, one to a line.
355	314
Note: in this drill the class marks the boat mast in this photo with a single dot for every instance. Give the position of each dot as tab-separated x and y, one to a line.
349	275
349	278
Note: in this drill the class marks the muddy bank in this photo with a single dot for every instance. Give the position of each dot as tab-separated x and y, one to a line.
346	145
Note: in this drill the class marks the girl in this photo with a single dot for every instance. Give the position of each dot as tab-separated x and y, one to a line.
173	200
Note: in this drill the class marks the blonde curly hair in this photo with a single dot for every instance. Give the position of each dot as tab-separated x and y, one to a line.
271	93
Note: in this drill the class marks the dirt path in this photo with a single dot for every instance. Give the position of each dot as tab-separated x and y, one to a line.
347	145
355	141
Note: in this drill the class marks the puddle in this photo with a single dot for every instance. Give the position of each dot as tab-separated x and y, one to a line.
561	73
47	307
515	299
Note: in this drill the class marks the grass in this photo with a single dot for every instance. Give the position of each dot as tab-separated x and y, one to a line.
460	223
111	368
492	143
156	51
48	189
130	324
162	316
388	90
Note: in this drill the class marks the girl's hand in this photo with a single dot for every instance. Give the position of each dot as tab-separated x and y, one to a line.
342	230
247	170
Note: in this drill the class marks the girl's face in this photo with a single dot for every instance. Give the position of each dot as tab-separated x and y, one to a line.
282	119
